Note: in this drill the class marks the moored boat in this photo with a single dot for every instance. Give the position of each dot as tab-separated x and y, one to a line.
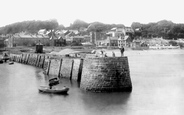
11	62
45	89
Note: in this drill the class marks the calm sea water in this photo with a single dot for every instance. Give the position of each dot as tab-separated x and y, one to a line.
157	78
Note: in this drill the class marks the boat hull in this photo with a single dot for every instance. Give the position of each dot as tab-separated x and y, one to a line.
10	63
53	91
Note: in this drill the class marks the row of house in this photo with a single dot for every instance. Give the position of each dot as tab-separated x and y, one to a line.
116	37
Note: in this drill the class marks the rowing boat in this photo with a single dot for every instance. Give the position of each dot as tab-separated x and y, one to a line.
46	89
11	62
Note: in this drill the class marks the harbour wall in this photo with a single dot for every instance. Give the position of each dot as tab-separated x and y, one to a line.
107	74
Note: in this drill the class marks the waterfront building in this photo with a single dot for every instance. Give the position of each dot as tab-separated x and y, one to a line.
116	37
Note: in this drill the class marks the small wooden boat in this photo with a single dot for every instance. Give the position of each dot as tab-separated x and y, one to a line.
46	89
11	62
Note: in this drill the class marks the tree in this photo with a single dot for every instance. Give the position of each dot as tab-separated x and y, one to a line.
77	24
29	26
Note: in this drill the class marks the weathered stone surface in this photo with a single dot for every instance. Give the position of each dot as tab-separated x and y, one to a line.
66	67
26	59
30	59
46	64
75	69
54	67
106	74
38	60
34	59
41	61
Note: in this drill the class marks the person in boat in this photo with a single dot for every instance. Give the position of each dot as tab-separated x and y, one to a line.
50	86
52	82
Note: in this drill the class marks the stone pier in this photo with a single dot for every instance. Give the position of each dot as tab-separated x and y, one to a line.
102	74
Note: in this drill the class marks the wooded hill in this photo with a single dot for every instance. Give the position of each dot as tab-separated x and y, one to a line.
163	28
34	26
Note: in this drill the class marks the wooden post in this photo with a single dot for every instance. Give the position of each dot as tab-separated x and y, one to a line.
16	58
13	58
60	67
21	58
42	66
37	60
27	59
80	70
48	67
71	70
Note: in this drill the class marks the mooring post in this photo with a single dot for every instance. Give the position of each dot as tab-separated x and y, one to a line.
80	70
48	66
42	66
27	62
71	70
60	67
27	58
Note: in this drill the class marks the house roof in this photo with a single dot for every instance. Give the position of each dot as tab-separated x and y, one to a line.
126	37
128	29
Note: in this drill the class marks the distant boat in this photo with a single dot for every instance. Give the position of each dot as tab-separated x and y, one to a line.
11	62
46	89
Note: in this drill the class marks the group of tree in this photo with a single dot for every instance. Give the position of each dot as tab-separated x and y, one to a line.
29	26
94	26
34	26
165	29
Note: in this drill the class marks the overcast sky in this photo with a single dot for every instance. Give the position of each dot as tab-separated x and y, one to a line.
105	11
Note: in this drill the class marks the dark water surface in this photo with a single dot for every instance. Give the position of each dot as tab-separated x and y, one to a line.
158	89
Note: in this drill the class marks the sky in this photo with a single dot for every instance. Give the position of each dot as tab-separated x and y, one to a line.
105	11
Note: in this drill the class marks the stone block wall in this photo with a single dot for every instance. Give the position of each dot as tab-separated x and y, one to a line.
75	70
54	67
46	65
30	60
106	74
41	61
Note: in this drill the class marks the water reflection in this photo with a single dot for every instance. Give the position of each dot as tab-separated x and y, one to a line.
105	99
52	95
